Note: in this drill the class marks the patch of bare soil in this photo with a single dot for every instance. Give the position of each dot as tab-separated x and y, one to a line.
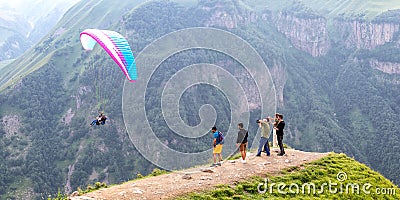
169	186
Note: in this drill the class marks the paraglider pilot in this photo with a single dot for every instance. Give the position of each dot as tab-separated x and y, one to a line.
101	119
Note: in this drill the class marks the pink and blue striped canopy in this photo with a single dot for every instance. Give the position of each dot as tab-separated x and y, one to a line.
115	45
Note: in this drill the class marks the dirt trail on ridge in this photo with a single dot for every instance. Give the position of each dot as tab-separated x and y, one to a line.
169	186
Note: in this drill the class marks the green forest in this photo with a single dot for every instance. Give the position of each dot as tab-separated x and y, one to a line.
335	102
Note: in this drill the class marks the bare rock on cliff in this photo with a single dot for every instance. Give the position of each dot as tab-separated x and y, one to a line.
306	34
386	67
11	125
366	35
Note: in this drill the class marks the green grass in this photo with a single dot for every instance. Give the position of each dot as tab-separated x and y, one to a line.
155	172
17	72
90	188
321	173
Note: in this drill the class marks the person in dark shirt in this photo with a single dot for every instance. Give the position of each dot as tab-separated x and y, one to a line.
280	125
241	141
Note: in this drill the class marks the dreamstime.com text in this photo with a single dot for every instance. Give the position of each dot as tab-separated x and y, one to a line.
328	187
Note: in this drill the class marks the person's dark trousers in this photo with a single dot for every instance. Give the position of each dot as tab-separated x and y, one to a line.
263	143
267	149
93	122
280	143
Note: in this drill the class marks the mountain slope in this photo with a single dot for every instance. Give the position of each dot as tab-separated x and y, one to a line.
177	183
24	23
234	180
85	14
33	97
336	80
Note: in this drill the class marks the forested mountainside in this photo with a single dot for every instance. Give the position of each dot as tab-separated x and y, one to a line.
336	79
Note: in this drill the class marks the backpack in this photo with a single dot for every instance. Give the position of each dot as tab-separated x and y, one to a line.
220	138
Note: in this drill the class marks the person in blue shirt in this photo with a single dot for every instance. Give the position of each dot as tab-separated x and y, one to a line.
218	141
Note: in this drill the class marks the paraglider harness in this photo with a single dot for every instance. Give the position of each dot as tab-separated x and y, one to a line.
102	120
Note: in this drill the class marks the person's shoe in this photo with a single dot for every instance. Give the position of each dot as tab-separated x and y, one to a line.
213	165
243	161
268	154
279	154
258	155
219	163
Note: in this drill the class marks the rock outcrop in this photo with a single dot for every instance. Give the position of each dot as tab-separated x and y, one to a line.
366	35
11	125
220	16
386	67
306	34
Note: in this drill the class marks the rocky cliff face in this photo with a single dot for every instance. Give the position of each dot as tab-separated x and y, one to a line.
279	76
386	67
307	34
220	16
310	34
366	35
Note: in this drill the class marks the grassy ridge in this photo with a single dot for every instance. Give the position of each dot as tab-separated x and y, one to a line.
335	176
4	63
371	8
332	8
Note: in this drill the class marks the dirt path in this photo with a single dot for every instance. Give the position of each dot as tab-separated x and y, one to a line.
178	183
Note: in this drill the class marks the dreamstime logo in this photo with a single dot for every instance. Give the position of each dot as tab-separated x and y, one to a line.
134	101
326	187
341	176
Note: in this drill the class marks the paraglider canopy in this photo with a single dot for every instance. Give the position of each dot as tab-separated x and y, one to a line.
115	45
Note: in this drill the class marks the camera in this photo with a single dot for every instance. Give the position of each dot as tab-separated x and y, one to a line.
259	120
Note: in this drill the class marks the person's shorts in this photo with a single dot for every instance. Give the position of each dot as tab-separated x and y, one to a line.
243	147
218	149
